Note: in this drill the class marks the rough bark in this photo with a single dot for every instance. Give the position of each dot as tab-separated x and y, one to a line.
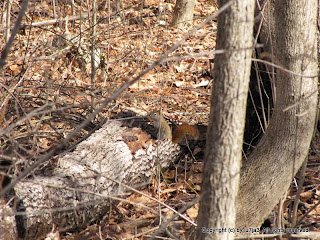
80	188
8	229
267	173
183	13
221	171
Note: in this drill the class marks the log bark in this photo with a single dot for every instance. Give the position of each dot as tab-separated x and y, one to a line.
86	181
8	227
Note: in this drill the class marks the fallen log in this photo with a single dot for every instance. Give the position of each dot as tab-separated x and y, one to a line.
85	182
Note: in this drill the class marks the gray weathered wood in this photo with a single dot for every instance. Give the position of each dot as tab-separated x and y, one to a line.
79	189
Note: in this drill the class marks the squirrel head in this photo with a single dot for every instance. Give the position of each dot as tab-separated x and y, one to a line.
155	117
154	114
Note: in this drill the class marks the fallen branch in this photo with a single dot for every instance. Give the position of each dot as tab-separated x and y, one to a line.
79	190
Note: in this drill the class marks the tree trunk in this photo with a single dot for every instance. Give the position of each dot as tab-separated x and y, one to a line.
227	119
183	13
268	172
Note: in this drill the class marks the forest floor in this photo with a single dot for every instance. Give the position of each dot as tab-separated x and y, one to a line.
45	71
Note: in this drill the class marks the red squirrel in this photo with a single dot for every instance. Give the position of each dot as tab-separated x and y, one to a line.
165	131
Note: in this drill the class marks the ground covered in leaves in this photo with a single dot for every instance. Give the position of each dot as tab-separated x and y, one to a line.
47	89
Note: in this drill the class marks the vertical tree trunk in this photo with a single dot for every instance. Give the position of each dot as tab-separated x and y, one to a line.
183	13
227	117
7	20
268	172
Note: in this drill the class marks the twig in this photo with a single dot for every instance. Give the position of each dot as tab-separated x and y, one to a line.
15	30
54	21
283	69
302	175
180	211
154	199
